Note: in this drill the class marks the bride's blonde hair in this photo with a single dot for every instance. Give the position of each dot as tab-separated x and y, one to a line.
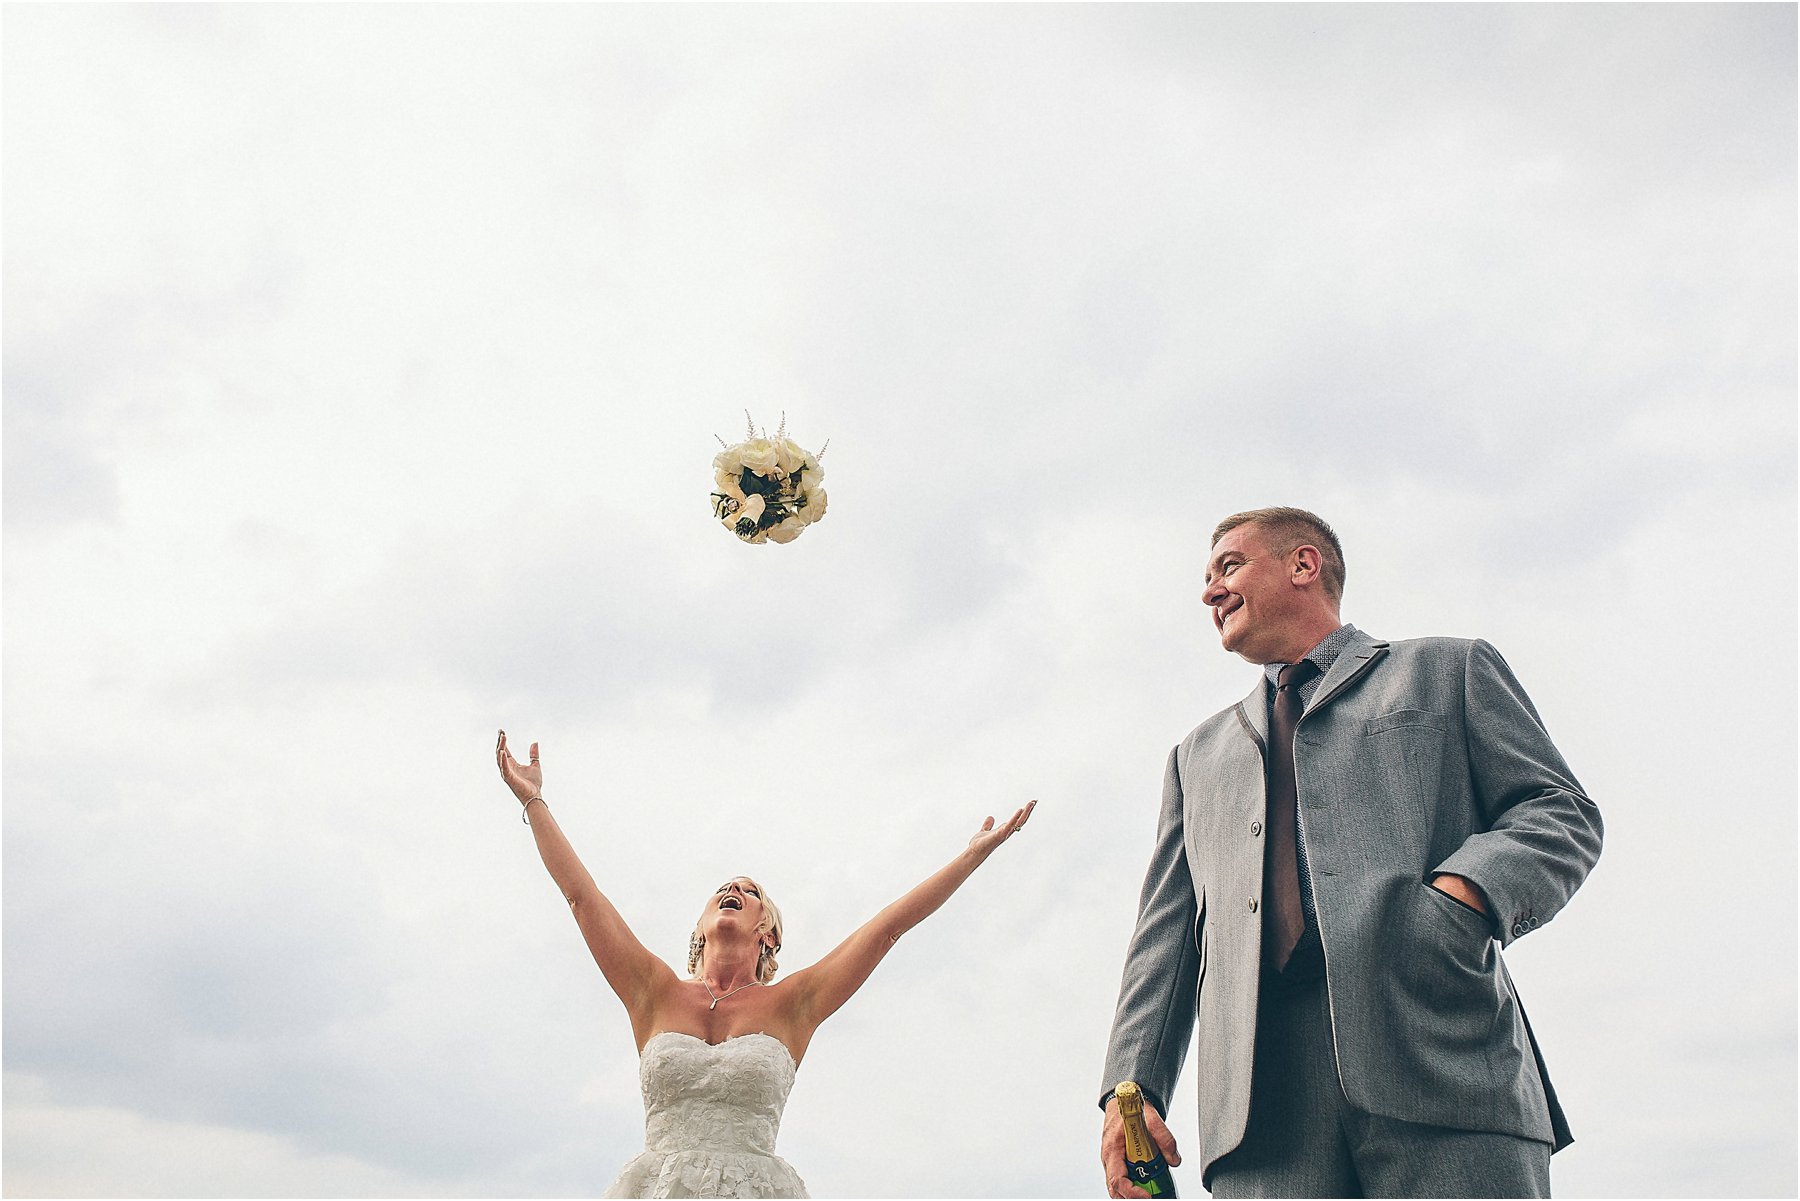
766	966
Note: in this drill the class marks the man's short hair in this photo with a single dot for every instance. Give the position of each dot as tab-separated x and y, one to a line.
1284	529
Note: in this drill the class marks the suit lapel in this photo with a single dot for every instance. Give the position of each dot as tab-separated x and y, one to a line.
1253	711
1362	654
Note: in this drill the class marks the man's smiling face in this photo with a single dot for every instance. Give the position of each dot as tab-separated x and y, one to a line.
1251	594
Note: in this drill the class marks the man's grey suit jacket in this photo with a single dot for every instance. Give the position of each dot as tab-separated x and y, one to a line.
1413	758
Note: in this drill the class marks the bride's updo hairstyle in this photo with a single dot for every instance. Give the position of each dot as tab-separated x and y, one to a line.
771	923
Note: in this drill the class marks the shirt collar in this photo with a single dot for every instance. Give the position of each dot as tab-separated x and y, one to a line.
1322	655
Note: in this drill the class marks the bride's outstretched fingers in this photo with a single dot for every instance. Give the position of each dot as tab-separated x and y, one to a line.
1016	822
991	836
525	781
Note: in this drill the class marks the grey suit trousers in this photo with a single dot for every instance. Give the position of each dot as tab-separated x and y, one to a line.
1306	1140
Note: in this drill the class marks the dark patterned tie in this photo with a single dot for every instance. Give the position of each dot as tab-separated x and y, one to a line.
1284	921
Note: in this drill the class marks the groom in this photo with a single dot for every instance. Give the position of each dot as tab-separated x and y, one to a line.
1336	857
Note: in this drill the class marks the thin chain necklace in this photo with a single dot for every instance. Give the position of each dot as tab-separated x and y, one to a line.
716	998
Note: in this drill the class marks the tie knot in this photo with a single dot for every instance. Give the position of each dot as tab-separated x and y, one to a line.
1296	674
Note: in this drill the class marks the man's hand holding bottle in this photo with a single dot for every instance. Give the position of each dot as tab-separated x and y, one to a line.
1115	1139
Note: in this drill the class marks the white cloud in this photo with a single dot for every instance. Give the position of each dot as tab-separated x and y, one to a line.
96	1151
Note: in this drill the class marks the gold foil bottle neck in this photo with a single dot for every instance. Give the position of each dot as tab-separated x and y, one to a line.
1131	1099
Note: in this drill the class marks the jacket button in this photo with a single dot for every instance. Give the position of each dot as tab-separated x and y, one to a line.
1255	829
1518	929
1252	904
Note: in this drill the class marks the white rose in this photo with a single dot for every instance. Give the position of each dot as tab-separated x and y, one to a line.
805	468
789	457
815	505
788	530
759	456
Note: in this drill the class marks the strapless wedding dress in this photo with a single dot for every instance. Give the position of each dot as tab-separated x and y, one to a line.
711	1114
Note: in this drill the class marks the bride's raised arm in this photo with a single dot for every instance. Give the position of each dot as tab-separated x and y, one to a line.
632	971
822	988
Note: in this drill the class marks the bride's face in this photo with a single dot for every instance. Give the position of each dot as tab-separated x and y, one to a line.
736	906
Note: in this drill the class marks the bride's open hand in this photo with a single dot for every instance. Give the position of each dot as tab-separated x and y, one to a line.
525	781
991	836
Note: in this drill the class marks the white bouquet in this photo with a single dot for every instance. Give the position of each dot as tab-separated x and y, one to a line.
767	489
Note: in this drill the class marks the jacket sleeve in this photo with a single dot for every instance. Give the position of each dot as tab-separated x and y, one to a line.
1543	833
1155	1015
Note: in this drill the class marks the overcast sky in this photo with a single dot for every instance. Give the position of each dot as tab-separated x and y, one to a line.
362	371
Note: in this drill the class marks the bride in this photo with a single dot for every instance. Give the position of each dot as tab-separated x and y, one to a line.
718	1050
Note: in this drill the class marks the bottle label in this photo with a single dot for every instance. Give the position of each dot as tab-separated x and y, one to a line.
1153	1177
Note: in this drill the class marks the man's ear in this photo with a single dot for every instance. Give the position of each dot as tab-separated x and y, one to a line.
1305	564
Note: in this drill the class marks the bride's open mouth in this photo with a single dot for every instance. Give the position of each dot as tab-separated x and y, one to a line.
731	903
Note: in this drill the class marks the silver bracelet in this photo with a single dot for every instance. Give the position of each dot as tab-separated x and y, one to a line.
526	817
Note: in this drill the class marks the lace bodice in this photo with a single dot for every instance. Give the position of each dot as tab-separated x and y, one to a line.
711	1114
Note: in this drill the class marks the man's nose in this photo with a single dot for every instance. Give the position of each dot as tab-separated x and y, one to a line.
1215	592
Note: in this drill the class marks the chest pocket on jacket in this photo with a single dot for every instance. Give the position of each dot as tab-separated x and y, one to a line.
1401	719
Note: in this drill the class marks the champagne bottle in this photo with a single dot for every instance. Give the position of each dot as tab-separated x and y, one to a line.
1144	1164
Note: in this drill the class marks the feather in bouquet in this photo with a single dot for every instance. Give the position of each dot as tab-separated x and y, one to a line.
767	489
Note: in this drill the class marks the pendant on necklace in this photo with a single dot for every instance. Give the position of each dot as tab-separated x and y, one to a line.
716	998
